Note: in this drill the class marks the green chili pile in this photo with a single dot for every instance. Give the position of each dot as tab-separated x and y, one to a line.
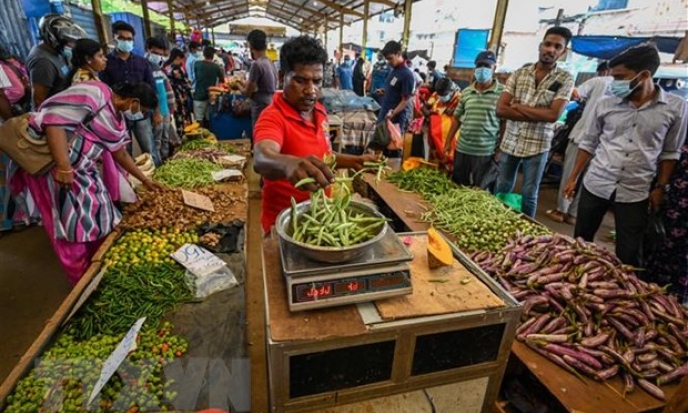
186	173
127	294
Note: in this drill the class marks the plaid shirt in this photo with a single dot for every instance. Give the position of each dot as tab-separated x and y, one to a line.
524	139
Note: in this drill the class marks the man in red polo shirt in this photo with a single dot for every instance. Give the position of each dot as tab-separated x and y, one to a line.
291	136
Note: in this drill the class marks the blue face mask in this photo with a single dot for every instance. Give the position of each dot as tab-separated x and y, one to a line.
125	46
483	74
622	88
67	53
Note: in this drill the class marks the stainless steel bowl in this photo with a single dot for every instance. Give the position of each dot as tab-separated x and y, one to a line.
332	255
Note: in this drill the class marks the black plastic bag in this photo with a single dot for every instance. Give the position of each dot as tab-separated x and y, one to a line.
380	138
228	237
655	234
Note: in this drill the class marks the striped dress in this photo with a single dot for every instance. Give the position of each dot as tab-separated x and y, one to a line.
85	214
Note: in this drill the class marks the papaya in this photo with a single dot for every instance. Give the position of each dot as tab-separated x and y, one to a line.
192	127
411	163
439	251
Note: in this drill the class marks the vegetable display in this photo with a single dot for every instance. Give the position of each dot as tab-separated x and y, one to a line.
423	181
143	247
590	314
125	295
330	222
186	173
164	209
210	154
62	380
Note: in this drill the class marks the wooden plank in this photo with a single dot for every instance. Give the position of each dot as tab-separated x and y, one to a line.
440	291
343	321
408	207
679	402
105	246
52	325
586	396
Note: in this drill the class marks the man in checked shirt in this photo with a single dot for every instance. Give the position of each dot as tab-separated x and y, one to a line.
533	99
633	140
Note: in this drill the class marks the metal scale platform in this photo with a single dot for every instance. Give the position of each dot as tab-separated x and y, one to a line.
380	273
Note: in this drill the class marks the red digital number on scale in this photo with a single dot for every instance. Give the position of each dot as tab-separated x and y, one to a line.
315	292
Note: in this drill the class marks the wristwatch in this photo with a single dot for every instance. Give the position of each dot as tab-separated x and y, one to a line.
664	187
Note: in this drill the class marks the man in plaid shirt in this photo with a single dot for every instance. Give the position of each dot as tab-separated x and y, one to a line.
533	99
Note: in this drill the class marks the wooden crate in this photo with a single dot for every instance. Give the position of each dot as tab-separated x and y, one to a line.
369	359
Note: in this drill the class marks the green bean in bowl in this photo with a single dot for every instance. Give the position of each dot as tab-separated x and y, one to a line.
331	230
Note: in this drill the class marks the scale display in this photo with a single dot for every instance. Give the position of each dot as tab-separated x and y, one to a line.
353	287
312	291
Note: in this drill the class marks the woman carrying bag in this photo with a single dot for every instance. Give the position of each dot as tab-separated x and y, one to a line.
79	125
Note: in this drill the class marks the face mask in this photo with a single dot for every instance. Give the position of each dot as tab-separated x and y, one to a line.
198	54
483	74
125	46
156	58
622	88
133	117
67	53
446	98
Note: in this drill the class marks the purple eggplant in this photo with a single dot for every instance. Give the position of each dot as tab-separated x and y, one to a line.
651	389
673	375
595	341
572	352
607	373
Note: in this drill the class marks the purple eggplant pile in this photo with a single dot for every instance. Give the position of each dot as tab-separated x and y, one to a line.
591	315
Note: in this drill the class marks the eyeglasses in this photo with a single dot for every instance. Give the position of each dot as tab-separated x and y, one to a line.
483	64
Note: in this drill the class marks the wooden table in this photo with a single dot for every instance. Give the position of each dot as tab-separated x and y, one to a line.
576	396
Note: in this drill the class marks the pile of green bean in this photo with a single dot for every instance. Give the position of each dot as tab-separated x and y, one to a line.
125	295
477	220
195	144
186	173
331	223
424	181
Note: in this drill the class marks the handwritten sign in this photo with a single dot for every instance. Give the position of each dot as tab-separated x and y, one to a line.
199	261
199	201
90	288
113	362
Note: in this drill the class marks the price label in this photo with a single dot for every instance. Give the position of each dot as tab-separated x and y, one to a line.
228	175
198	260
199	201
113	362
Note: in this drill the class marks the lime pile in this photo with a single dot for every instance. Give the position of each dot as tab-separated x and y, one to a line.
147	247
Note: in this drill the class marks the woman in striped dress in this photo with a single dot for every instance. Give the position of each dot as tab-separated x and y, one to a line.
80	124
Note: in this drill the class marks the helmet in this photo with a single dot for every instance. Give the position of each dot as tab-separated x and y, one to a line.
57	30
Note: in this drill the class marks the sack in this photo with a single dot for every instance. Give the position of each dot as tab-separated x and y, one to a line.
396	140
512	200
655	234
32	155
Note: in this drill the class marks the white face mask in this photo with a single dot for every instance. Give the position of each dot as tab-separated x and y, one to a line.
156	58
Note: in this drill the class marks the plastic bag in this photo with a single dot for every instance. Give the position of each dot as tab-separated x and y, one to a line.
226	238
380	138
210	283
126	192
512	200
396	140
655	234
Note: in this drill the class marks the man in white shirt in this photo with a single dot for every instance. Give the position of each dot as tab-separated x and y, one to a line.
588	93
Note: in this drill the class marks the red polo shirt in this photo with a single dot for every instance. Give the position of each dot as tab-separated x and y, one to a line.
283	124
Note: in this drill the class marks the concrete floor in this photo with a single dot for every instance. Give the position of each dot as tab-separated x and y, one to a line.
32	286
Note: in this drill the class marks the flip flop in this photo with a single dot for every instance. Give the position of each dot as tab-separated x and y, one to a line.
555	216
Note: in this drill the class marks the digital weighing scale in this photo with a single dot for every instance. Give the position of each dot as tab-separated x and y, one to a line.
380	273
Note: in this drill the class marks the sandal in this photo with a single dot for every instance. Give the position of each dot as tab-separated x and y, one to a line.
555	216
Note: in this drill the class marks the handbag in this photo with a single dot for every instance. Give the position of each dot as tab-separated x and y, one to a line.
32	155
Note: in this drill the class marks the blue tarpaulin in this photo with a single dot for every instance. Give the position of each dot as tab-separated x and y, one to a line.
606	47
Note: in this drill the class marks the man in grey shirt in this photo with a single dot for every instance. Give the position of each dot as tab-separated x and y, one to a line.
48	61
635	137
262	78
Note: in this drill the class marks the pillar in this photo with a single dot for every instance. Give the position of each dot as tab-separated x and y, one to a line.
212	35
100	21
341	35
498	26
408	7
364	42
170	11
146	19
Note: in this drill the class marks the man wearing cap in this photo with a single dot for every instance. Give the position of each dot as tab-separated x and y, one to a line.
476	159
533	99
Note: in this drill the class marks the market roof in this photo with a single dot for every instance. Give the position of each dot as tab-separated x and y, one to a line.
304	15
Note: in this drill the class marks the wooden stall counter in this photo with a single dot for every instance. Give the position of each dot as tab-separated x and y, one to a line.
455	327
